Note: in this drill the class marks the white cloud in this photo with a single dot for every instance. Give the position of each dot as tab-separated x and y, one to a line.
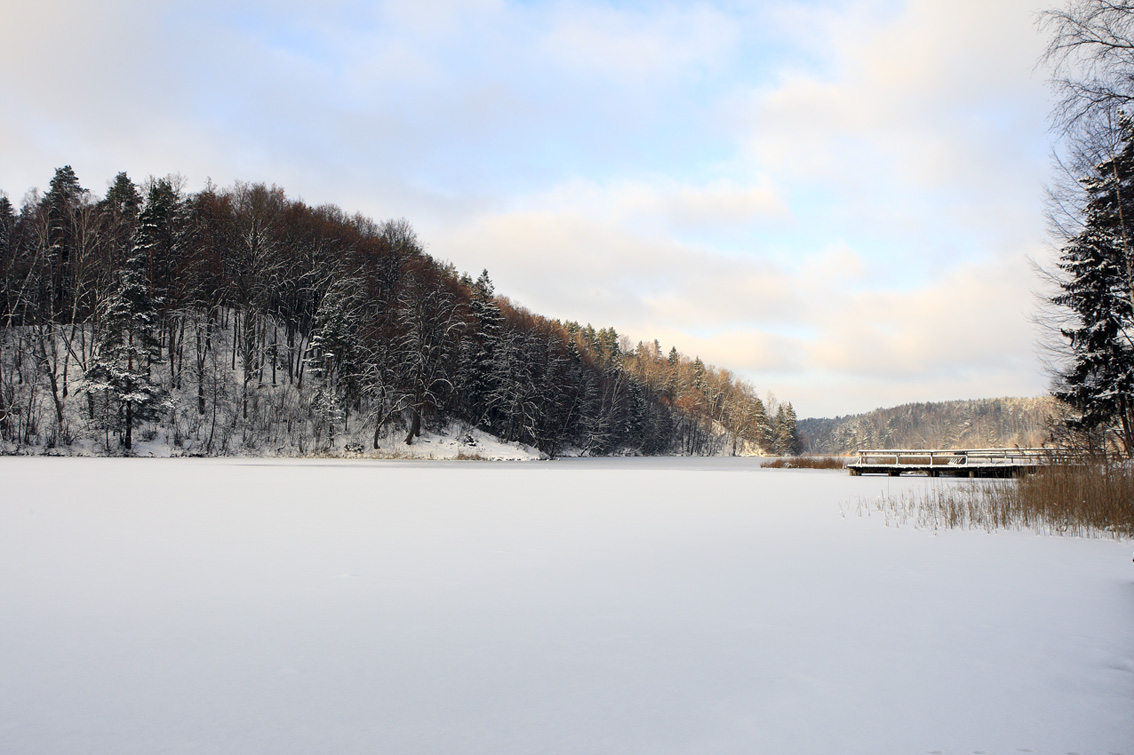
929	121
665	41
834	198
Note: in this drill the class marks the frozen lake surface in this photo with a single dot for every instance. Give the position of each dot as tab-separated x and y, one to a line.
577	606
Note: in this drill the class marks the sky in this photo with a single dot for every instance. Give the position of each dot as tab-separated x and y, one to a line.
839	200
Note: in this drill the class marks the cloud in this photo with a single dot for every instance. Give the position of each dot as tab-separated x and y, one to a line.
959	324
822	321
639	47
926	119
835	198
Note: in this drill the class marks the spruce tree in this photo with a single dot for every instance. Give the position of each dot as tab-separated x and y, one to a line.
7	303
7	231
7	260
1096	288
787	442
334	362
478	370
119	373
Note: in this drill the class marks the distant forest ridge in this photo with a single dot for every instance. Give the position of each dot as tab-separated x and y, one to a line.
240	321
979	423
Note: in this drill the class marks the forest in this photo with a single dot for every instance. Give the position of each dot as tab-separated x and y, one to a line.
978	423
239	321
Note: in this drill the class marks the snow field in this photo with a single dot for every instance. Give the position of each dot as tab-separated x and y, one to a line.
575	606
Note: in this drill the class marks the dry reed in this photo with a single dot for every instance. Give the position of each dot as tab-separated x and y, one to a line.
1084	500
806	462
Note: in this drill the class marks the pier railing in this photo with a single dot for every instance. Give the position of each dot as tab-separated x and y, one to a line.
972	462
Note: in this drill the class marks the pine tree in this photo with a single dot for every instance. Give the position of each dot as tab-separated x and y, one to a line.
120	210
62	203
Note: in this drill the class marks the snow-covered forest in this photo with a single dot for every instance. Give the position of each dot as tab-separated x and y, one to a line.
233	321
978	423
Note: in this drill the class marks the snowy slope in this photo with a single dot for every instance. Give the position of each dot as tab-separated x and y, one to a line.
456	441
576	606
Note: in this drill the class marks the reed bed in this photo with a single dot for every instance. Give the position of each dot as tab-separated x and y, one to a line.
1077	500
807	462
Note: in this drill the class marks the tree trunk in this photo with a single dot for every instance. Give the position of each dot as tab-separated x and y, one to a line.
129	436
5	425
51	362
290	352
200	374
180	354
415	425
172	354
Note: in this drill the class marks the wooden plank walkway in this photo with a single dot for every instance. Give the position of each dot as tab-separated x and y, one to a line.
977	462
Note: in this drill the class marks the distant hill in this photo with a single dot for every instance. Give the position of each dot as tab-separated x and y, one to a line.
980	423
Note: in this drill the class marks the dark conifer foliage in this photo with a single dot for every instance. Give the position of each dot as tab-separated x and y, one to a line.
240	321
1097	289
124	393
1090	54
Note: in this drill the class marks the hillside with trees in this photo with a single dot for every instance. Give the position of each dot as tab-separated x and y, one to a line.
983	423
239	321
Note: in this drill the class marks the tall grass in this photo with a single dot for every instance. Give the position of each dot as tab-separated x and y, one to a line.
1089	501
806	462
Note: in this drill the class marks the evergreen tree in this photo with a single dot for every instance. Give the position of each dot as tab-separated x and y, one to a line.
7	260
334	362
120	210
7	231
7	301
788	442
480	351
1097	290
512	397
784	433
62	204
119	373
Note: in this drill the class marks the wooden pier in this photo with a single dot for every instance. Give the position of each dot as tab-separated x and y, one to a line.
978	462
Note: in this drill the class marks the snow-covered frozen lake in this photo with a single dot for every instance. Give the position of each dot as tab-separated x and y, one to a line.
577	606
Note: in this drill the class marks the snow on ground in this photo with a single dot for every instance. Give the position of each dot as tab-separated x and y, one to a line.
575	606
455	441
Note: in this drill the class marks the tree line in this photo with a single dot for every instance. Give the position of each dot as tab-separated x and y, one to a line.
238	320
